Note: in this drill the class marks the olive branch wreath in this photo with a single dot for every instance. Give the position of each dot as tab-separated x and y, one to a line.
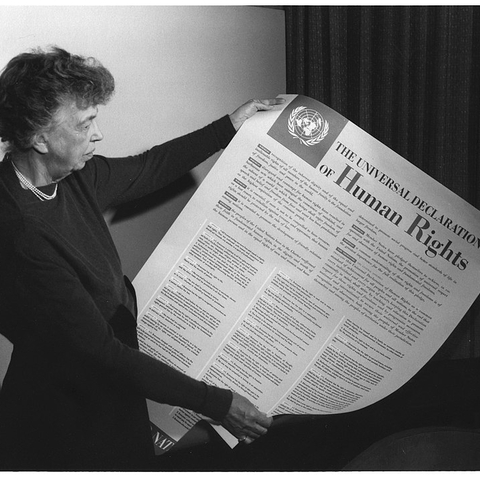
311	141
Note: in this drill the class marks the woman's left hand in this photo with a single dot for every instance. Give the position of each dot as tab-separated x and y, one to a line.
250	108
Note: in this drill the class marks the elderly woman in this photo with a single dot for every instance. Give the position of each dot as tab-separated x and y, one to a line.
74	395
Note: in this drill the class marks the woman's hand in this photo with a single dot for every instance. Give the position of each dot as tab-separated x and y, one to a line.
250	108
244	420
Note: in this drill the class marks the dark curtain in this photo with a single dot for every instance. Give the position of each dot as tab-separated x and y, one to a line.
409	76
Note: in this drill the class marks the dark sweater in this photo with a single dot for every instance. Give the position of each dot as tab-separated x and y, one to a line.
74	394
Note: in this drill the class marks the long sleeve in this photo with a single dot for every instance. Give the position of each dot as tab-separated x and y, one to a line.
60	313
119	180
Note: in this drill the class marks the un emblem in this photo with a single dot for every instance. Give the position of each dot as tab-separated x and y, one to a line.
307	125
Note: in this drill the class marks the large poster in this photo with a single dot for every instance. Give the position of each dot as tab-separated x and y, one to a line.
314	271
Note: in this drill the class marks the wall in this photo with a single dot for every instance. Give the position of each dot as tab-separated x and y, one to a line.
176	69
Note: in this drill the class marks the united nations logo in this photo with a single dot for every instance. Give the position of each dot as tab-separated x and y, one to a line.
307	125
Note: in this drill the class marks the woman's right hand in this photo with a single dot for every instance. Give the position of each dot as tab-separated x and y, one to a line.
245	421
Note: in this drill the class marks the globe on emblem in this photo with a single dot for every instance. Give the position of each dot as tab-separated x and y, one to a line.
308	124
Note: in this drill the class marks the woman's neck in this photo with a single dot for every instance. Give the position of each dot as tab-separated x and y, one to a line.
31	168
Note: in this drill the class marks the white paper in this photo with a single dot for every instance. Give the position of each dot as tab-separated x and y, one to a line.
314	271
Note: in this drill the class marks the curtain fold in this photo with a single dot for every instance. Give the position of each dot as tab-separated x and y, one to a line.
409	76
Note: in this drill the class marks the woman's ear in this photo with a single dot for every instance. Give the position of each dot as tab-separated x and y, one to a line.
40	143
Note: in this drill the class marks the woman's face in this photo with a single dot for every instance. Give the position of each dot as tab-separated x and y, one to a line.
70	142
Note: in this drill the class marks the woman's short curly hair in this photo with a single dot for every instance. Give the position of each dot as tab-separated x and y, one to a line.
34	85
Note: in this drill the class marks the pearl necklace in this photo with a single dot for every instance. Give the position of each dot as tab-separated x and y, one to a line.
29	186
